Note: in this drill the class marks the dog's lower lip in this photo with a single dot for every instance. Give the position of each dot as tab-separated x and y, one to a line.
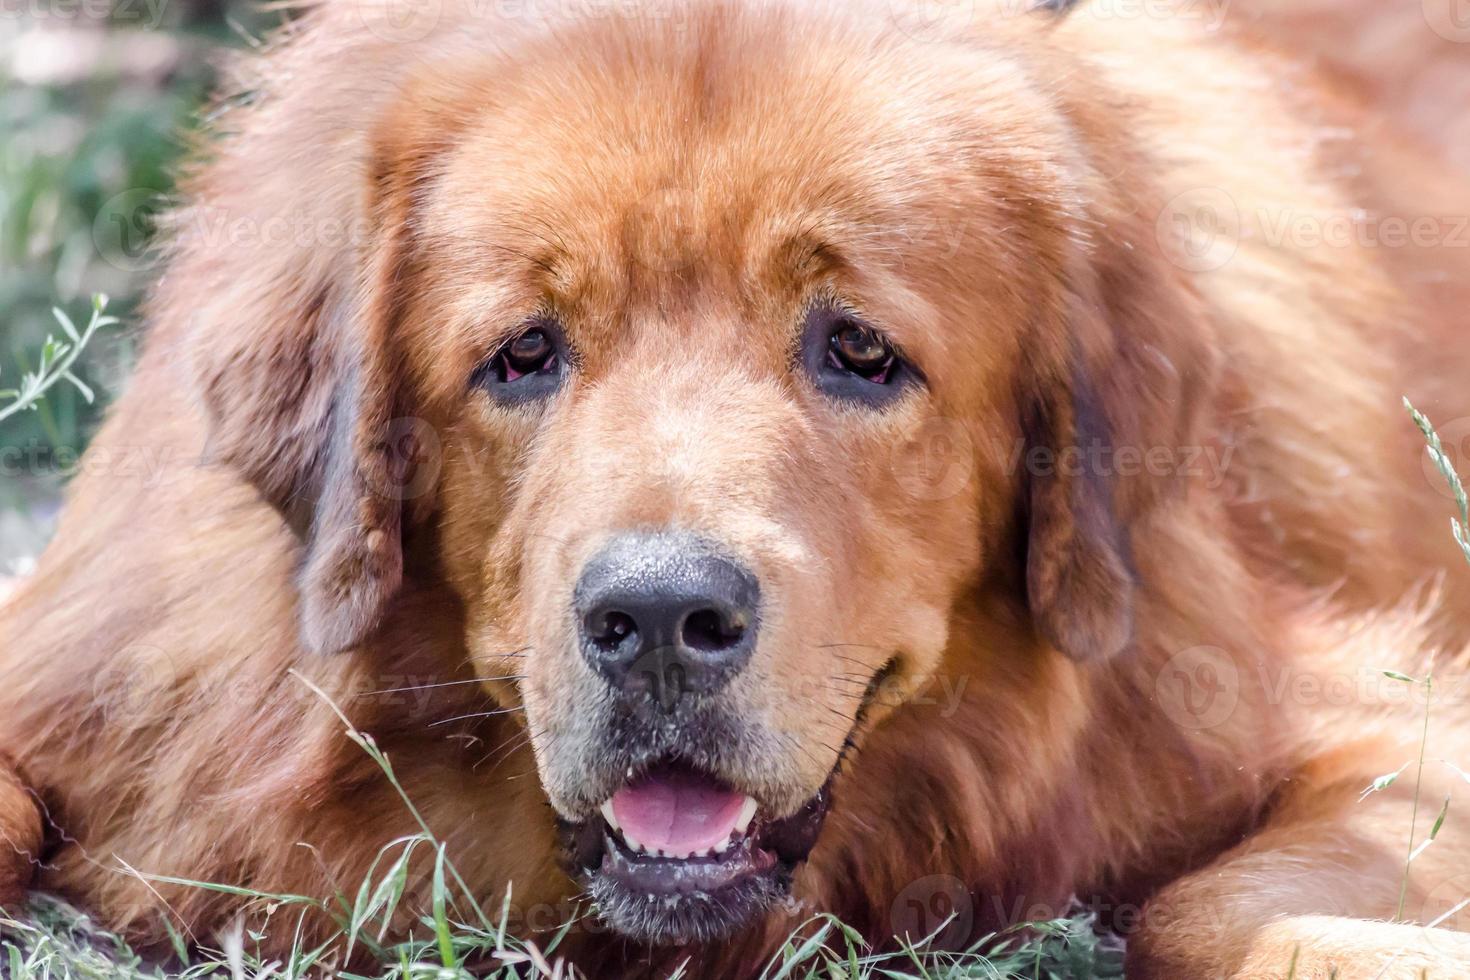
651	875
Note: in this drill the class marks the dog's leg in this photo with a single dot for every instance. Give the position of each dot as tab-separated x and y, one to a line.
20	836
1315	894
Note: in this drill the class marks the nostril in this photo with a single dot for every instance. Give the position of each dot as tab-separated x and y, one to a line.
709	631
608	630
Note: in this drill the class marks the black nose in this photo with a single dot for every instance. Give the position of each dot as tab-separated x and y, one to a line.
664	615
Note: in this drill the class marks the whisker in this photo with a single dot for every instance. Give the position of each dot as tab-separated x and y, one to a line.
508	655
505	749
477	714
426	687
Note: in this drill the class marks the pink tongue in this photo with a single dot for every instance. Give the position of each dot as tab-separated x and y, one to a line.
677	812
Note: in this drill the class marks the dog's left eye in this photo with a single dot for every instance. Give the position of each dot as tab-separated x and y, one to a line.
853	361
861	351
527	366
530	353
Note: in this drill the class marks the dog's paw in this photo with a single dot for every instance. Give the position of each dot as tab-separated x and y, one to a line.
1307	948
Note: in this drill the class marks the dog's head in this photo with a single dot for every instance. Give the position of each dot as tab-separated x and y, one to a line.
701	357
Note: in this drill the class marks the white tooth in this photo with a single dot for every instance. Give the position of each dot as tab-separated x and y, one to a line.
633	845
747	814
726	845
607	814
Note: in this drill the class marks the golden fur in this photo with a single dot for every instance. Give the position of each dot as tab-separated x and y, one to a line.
1002	194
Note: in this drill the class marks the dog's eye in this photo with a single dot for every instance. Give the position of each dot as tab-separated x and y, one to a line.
530	353
853	361
530	365
861	351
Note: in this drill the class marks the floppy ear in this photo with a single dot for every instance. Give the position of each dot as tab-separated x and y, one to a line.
1079	573
1129	381
354	538
295	361
304	407
1054	8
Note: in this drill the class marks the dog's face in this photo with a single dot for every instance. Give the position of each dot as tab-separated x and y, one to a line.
696	495
730	335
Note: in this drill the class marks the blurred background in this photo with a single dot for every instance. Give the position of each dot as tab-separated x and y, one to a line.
98	99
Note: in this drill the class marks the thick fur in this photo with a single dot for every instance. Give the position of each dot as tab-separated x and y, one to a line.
1002	193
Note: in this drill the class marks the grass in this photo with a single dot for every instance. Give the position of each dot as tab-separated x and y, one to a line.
456	937
55	941
57	362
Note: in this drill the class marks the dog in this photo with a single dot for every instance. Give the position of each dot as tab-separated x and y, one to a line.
745	458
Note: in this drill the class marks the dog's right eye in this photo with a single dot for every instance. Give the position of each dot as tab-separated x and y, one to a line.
852	361
530	353
530	365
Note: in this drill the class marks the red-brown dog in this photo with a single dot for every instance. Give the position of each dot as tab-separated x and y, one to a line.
826	452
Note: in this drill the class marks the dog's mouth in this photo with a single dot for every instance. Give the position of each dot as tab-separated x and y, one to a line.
680	856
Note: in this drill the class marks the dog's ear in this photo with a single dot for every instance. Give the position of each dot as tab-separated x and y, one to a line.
353	534
1056	9
1079	572
295	359
1108	427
